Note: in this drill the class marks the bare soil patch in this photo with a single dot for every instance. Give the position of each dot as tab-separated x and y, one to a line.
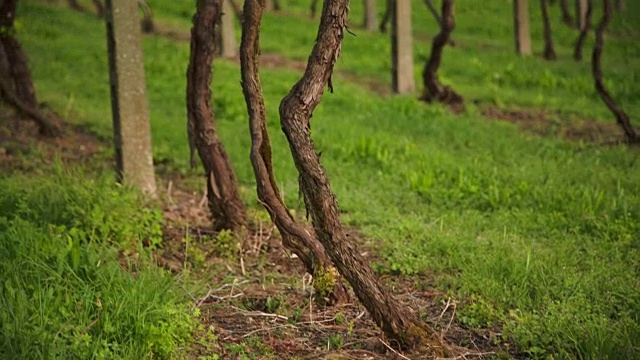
555	124
21	142
258	302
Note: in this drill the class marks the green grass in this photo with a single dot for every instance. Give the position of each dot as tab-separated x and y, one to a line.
67	289
536	236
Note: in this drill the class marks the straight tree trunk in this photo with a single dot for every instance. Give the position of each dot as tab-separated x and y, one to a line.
566	13
398	322
402	48
549	52
295	236
621	5
370	19
581	14
577	50
273	5
596	68
15	77
521	21
130	110
227	209
433	89
226	40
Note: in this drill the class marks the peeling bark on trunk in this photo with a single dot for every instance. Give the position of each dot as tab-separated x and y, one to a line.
566	13
370	19
577	50
521	23
398	323
549	51
596	68
295	236
17	84
433	89
227	209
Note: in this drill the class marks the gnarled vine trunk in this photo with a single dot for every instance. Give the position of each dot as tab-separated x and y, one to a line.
16	84
398	323
227	209
566	13
596	68
549	52
295	236
577	50
433	89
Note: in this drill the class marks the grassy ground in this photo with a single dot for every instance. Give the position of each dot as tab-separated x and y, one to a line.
536	238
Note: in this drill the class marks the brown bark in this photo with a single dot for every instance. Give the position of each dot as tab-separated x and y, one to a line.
295	236
17	84
577	50
433	89
397	322
227	209
386	16
549	52
436	15
370	15
596	68
566	13
521	24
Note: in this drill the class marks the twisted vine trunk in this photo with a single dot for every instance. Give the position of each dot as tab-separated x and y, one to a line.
227	209
566	13
549	52
577	50
16	84
295	236
596	68
433	89
397	322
